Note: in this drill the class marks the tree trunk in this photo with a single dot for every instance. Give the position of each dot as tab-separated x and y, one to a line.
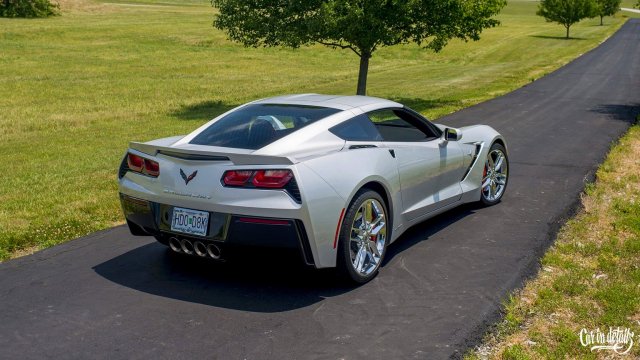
600	20
568	30
362	75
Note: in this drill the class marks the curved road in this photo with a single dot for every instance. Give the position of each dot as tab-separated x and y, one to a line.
111	295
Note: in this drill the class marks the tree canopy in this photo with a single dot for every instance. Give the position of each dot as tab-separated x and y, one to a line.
362	26
566	12
607	8
28	8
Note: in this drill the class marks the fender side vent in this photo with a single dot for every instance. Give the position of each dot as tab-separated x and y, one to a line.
473	161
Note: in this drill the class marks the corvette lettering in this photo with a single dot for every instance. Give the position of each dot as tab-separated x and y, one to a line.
197	196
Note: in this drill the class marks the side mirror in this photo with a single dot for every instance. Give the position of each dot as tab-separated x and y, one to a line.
451	134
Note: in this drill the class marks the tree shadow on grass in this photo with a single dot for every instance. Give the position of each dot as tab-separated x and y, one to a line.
557	37
205	110
424	105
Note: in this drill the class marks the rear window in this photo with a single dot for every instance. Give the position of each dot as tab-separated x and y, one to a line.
258	125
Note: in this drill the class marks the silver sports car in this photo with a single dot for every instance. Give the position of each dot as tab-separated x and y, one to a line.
337	177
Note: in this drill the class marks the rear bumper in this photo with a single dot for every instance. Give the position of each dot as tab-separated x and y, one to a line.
225	230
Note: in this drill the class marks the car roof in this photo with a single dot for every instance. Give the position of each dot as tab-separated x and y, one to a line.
340	102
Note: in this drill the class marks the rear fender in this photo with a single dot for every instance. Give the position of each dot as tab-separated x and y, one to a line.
349	170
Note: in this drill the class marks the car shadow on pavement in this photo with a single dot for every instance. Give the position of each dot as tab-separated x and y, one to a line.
424	230
264	280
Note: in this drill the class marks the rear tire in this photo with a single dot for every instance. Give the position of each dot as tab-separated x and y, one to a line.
495	175
364	235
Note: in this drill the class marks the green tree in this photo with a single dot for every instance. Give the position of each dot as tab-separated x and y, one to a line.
362	26
28	8
566	12
607	8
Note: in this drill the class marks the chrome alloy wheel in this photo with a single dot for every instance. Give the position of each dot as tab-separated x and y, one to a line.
494	177
368	237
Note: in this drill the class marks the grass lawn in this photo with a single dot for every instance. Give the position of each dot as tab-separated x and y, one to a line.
75	89
590	277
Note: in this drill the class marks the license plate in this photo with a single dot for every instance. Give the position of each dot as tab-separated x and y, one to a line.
189	221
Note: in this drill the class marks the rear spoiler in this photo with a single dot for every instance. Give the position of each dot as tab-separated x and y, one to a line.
235	158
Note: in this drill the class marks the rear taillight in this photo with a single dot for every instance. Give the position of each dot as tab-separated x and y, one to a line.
272	179
135	162
268	179
237	177
142	165
152	168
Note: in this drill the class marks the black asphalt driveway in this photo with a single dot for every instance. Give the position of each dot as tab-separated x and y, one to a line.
112	295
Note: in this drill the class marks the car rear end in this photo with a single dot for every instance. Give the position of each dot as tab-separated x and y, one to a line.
213	189
201	204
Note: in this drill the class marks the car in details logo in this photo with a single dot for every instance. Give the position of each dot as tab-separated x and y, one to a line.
617	339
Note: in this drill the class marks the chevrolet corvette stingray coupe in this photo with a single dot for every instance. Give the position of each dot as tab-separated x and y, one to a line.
337	177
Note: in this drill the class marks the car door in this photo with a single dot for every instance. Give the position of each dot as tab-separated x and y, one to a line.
430	168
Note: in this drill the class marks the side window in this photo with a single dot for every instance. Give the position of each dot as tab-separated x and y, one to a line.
397	125
359	128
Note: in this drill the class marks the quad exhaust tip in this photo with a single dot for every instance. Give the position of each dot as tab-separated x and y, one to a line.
187	246
195	248
214	251
174	244
200	249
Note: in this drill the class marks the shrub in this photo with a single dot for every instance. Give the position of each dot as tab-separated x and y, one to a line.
28	8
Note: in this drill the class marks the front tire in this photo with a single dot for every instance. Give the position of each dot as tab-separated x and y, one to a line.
495	175
363	237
